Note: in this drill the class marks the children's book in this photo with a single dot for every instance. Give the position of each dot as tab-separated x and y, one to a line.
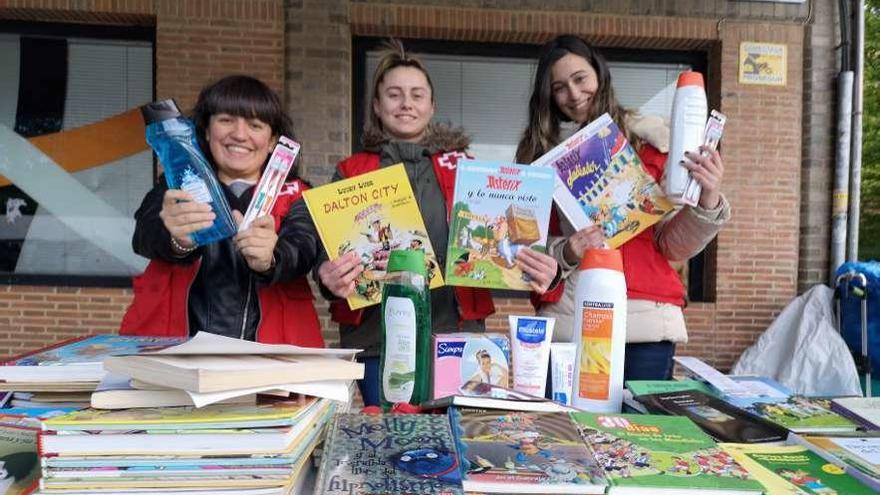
774	402
646	454
19	462
371	214
806	470
600	180
858	453
497	209
772	482
389	454
716	417
863	410
79	359
523	452
644	387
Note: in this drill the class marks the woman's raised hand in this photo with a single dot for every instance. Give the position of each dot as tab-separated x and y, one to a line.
182	216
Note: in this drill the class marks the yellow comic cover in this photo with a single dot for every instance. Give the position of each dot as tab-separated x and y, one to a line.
371	214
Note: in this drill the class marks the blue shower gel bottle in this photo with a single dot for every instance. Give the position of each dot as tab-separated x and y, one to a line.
173	138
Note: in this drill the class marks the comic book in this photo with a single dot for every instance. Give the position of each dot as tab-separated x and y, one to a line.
641	453
523	452
371	214
79	359
600	180
498	209
389	454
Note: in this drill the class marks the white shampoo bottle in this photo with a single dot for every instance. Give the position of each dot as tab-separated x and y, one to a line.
687	122
600	331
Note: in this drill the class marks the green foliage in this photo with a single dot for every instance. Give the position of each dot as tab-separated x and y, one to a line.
869	228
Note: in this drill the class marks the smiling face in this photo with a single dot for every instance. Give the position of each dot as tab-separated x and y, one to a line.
573	84
239	146
404	104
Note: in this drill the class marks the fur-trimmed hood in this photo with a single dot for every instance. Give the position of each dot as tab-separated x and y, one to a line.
651	129
438	138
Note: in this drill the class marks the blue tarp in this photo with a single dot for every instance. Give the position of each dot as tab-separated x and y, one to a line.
850	308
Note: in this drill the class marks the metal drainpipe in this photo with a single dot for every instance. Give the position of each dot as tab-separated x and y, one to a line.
855	180
840	193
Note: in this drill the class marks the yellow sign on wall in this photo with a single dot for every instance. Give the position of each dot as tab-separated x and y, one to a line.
762	63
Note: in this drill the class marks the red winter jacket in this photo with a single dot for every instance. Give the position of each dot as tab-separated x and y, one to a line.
287	313
474	304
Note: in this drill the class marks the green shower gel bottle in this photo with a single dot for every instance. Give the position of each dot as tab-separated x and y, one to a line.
405	363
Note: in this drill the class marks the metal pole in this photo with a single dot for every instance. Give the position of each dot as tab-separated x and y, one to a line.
855	180
840	193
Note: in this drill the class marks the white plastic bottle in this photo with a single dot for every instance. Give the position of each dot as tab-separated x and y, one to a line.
600	331
687	123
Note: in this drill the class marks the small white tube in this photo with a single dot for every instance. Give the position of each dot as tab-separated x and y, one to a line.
530	338
562	357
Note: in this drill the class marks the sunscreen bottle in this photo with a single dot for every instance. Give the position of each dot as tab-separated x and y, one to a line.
688	120
600	331
405	363
173	138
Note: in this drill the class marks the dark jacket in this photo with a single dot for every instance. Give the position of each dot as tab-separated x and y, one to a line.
213	289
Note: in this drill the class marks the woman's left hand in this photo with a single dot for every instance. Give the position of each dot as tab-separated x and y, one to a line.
541	268
708	169
257	242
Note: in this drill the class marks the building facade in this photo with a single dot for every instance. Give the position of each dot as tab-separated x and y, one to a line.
777	147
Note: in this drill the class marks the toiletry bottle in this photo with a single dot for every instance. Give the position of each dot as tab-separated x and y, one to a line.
173	138
405	363
600	331
688	120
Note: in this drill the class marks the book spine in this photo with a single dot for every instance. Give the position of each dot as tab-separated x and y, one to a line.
323	470
11	362
457	435
853	416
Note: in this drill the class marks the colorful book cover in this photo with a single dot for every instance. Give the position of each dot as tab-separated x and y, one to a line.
774	403
654	452
523	452
645	387
371	214
772	482
276	413
19	462
806	470
723	421
498	209
601	181
389	454
858	452
92	350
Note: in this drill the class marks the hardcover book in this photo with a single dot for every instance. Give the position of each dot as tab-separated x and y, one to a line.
498	209
646	454
523	452
371	214
774	402
79	359
859	453
645	387
389	454
716	417
19	463
806	470
863	410
600	180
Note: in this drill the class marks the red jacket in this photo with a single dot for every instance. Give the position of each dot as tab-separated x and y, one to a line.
648	273
474	304
287	313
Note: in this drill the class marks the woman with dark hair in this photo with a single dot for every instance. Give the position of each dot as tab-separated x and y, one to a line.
399	130
573	85
253	285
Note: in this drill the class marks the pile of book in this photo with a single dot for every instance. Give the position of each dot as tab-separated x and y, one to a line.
208	415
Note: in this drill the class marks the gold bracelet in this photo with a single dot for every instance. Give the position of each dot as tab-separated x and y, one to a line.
180	249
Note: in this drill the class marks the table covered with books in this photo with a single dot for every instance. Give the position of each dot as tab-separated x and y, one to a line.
706	433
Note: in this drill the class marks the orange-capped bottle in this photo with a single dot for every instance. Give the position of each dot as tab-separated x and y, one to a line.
600	331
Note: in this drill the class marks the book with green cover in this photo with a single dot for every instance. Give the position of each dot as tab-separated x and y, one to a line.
644	387
807	471
772	482
859	453
642	454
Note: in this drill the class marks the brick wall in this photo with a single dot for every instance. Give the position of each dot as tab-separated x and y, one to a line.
303	48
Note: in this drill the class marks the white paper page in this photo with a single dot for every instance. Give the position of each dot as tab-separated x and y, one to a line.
337	390
866	448
715	378
211	343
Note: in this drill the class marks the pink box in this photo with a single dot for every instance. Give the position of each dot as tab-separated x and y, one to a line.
460	358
